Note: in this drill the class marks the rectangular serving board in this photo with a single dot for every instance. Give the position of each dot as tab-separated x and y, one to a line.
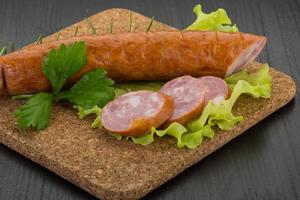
112	169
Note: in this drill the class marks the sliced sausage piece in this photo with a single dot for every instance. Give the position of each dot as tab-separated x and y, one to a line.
138	56
189	96
216	89
135	113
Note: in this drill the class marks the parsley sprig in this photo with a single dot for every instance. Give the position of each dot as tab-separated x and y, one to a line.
93	89
35	112
93	85
60	64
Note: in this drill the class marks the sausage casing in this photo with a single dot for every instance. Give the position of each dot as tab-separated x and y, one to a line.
138	56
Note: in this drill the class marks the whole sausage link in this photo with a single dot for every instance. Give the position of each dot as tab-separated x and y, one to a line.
137	56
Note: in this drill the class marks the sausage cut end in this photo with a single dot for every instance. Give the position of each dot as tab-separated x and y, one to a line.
247	56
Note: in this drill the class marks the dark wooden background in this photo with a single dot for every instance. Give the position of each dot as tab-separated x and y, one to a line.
264	163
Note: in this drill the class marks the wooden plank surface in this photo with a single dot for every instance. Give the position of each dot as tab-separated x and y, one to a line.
227	171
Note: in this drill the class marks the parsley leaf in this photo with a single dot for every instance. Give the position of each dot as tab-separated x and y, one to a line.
60	64
35	112
93	89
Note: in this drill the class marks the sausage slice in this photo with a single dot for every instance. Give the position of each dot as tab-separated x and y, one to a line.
189	96
216	89
134	113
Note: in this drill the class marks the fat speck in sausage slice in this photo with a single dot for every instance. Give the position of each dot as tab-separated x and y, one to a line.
135	113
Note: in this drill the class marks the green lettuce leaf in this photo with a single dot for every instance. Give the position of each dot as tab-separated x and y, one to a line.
194	139
184	138
259	86
214	21
145	139
82	113
117	136
261	78
175	129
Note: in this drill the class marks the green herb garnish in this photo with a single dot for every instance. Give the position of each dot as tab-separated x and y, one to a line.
150	24
130	22
22	96
35	112
39	39
12	46
93	89
7	49
3	51
61	64
58	35
76	31
110	29
91	26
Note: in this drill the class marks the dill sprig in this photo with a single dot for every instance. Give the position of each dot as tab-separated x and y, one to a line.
3	51
22	96
12	46
110	29
58	35
76	31
7	49
130	22
150	24
91	26
39	40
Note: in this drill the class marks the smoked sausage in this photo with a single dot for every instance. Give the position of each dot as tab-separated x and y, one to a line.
137	56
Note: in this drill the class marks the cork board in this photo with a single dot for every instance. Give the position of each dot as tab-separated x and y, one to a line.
112	169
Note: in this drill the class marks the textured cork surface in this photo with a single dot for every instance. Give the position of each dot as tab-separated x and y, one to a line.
112	169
